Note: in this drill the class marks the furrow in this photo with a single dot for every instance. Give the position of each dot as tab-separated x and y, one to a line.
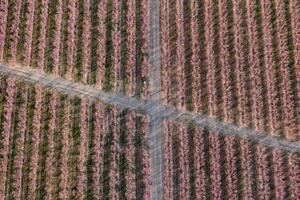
6	135
290	114
210	59
83	149
116	35
225	63
130	154
33	177
273	99
131	61
257	92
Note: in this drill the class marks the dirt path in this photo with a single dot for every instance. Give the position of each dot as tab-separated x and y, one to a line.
156	129
157	111
155	71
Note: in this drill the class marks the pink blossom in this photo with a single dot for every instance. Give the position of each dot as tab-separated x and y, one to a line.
115	153
199	162
14	31
131	42
288	99
42	36
184	183
34	162
243	99
71	49
225	63
50	162
83	148
99	150
294	10
273	98
294	174
168	163
180	55
255	68
86	40
211	65
3	22
130	155
7	134
231	168
247	168
280	172
165	51
66	150
195	60
263	169
101	48
215	165
117	45
19	156
146	169
57	37
29	32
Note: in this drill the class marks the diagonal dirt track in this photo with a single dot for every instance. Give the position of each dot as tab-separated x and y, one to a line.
157	111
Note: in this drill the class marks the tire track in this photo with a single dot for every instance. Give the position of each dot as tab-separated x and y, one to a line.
157	111
156	137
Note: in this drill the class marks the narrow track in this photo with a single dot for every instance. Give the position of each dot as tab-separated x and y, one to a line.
156	136
157	111
155	70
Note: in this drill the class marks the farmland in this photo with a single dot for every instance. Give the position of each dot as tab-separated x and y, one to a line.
236	61
192	144
149	99
64	147
92	42
203	164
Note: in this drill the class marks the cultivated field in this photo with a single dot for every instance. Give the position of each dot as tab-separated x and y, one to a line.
202	164
54	146
93	42
236	60
223	122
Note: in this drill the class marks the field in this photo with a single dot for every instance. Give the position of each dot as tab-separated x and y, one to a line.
235	60
62	147
200	101
202	164
93	42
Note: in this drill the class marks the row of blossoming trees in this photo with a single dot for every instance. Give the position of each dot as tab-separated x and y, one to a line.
237	61
203	164
85	41
54	146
